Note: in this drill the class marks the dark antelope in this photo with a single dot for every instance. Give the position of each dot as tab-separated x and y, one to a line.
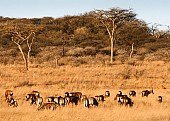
86	102
160	99
39	101
12	102
132	93
58	100
126	101
93	101
8	94
83	97
118	96
147	92
71	99
107	94
36	93
51	99
31	98
75	94
89	102
100	98
103	97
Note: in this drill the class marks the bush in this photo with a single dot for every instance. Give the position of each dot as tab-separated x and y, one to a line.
90	51
76	52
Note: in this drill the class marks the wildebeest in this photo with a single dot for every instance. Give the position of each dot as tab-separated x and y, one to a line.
75	94
39	101
83	97
93	101
31	98
8	94
120	92
86	102
37	94
47	106
107	94
12	102
59	100
100	98
147	92
71	99
126	101
159	99
118	96
51	99
132	93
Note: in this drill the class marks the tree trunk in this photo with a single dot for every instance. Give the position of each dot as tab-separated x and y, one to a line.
28	58
131	51
112	50
23	56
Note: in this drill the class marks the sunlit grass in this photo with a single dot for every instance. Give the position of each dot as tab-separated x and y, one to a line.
91	80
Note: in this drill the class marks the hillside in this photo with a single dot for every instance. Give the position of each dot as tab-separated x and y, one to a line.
83	39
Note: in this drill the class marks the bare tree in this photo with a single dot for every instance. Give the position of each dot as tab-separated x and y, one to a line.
154	29
157	33
162	34
19	39
112	20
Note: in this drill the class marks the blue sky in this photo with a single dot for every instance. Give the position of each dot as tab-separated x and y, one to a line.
151	11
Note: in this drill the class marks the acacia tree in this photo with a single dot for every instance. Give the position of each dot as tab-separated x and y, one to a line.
19	40
112	19
154	30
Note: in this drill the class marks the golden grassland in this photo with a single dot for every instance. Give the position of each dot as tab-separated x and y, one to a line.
91	80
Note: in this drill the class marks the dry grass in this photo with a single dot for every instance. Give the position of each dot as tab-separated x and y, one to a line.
90	80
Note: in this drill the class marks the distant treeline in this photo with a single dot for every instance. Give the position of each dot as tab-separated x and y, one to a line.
72	32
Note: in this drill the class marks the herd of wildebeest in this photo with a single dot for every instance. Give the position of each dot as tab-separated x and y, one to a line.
74	98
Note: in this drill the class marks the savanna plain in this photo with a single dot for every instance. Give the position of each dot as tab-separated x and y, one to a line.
91	80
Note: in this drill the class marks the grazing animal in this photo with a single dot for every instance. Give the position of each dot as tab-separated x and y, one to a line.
118	96
83	97
74	100
86	102
67	94
39	101
100	98
146	93
67	100
93	101
47	106
160	99
12	102
37	94
56	99
120	92
31	98
71	99
75	94
107	94
132	93
59	100
8	94
51	99
126	101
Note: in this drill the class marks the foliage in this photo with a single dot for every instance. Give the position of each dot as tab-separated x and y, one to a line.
73	32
